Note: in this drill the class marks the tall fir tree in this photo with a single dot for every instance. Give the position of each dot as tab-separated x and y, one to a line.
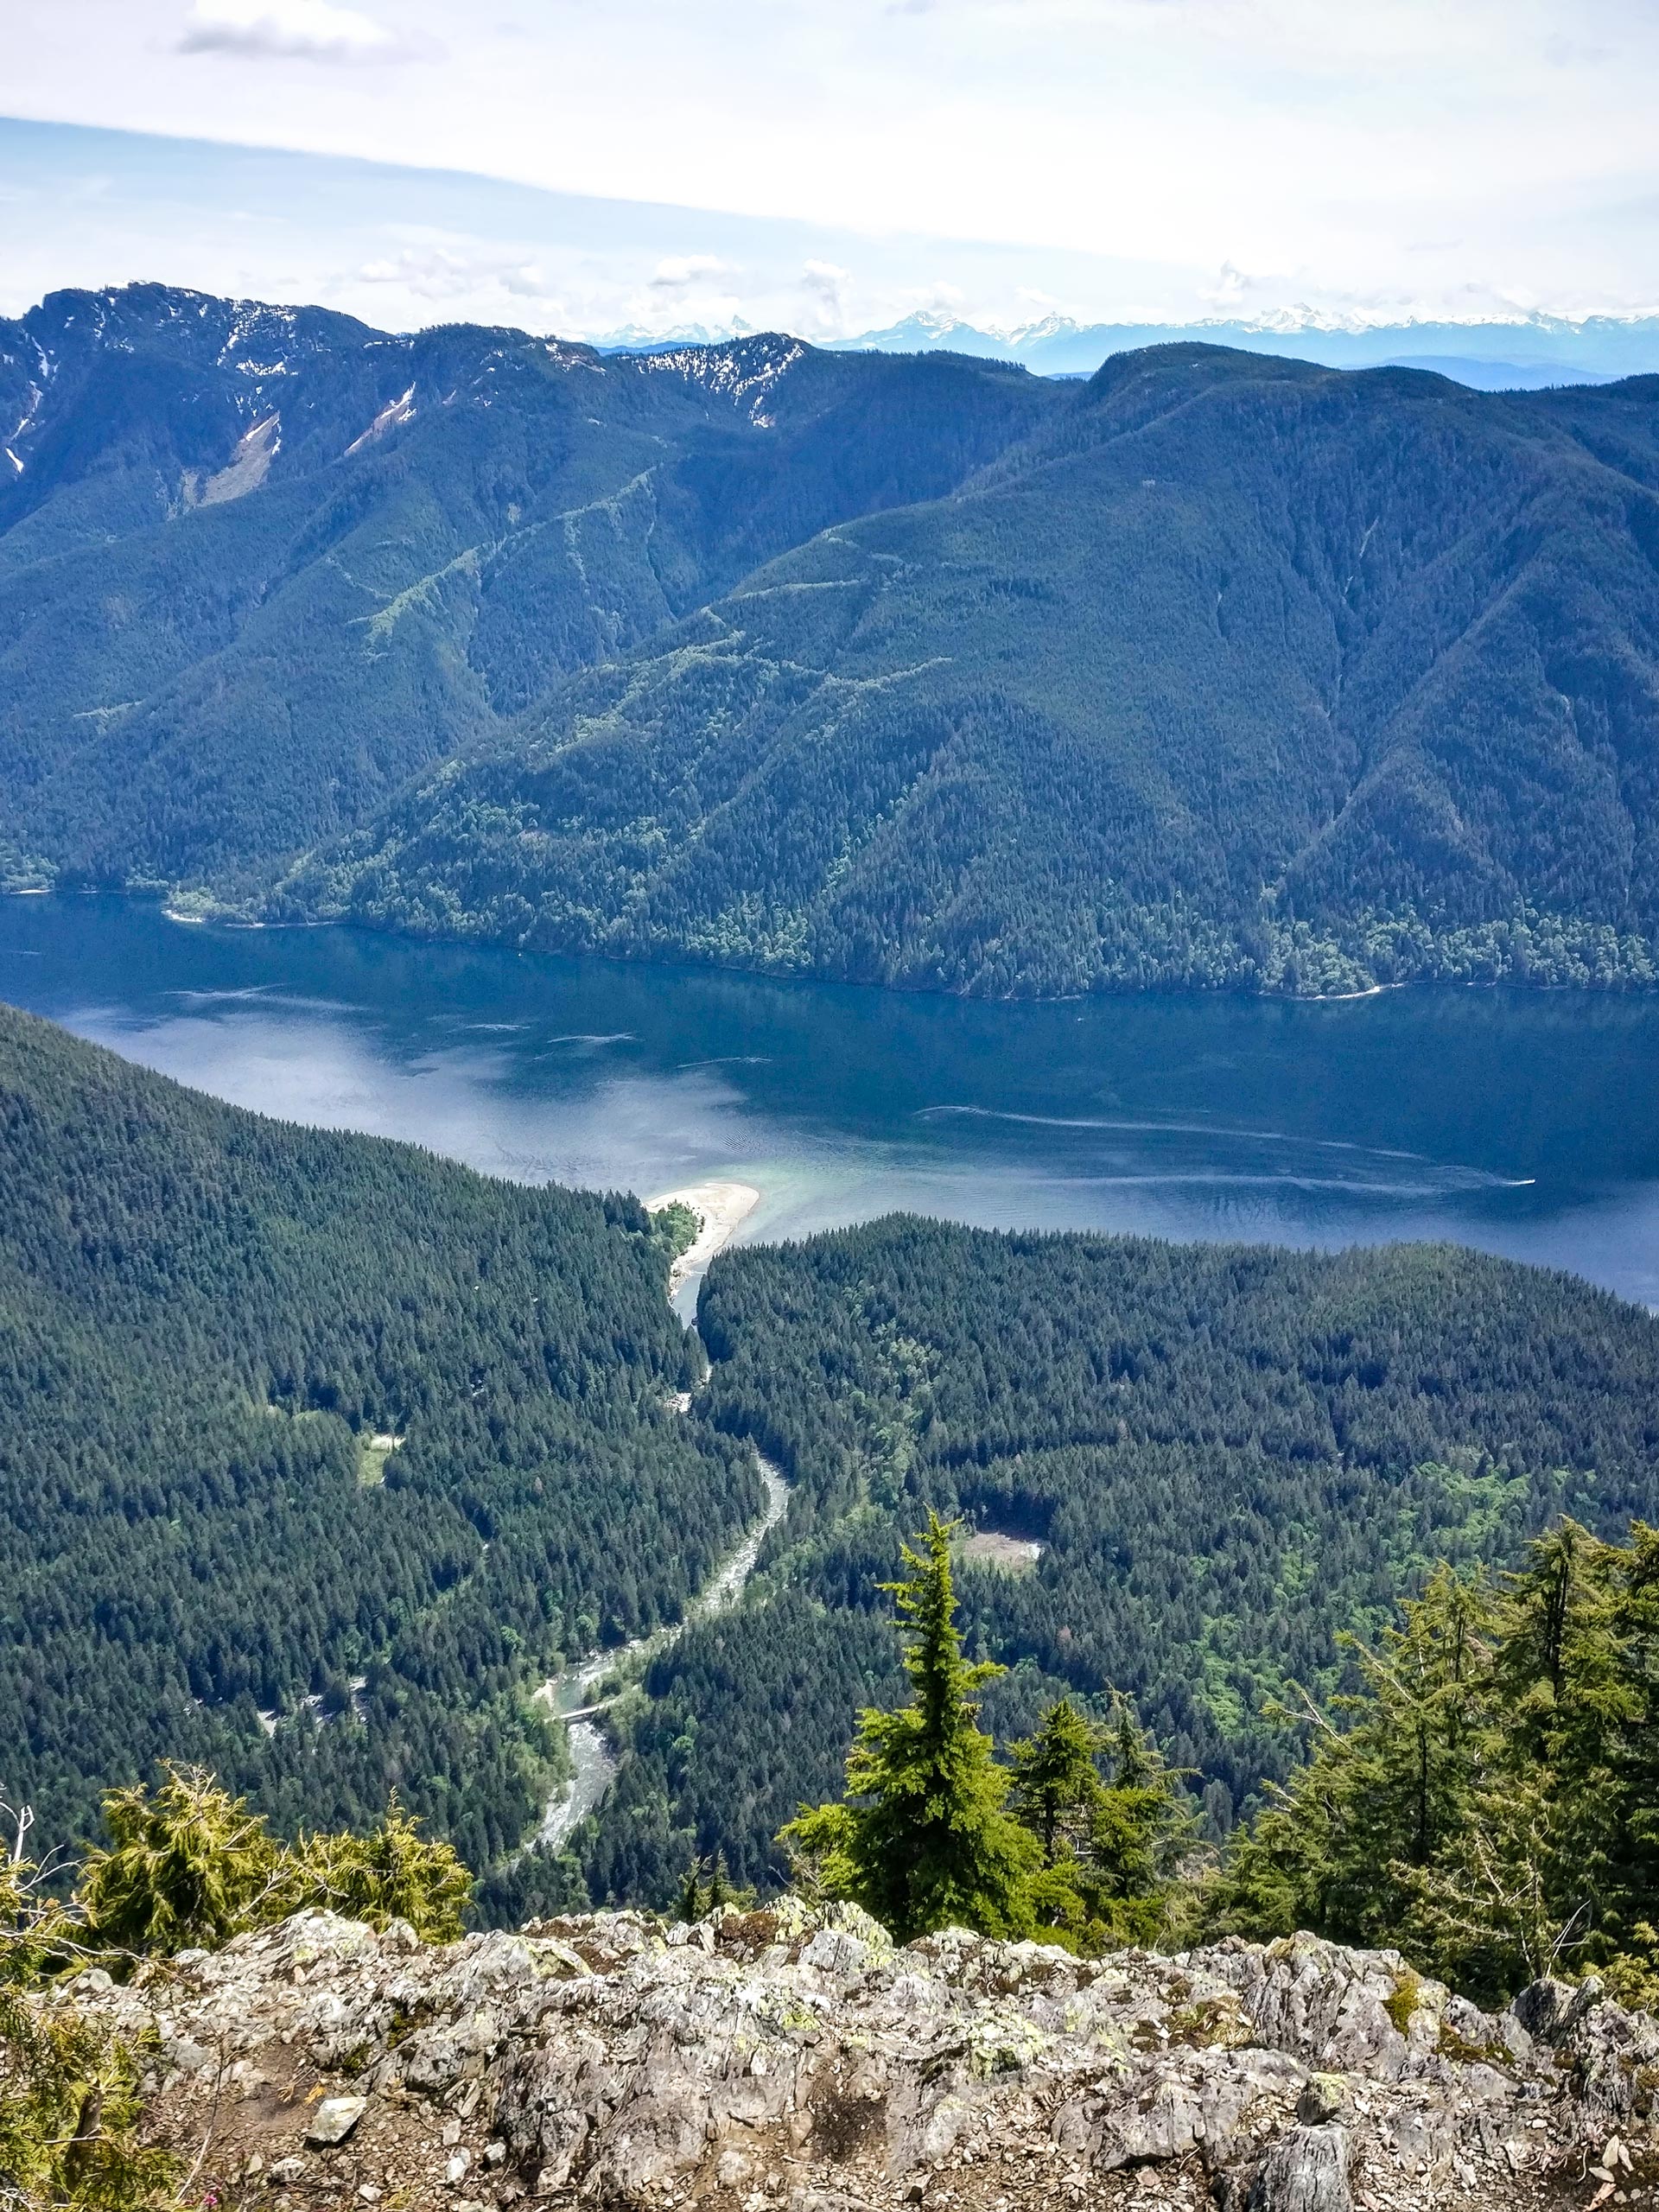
1489	1807
1057	1794
1382	1795
923	1839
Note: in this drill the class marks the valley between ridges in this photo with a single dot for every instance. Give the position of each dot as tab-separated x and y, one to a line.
720	1208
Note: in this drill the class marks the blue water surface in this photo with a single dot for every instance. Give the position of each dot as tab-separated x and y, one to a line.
1526	1122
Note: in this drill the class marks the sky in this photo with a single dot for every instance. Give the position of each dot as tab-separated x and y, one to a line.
586	165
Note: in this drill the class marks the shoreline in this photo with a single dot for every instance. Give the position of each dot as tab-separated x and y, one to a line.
686	964
722	1209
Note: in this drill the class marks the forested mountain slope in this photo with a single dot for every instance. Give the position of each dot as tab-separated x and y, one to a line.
206	1317
1229	1454
1235	671
914	669
212	1326
259	565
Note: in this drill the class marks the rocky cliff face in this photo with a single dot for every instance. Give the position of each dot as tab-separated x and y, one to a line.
795	2060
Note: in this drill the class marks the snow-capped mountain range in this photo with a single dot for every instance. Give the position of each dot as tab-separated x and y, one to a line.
1527	353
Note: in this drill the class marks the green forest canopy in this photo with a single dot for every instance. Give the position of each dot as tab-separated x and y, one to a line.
1232	672
1230	1455
203	671
206	1317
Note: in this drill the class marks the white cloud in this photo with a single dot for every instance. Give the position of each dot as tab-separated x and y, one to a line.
1231	289
681	271
469	278
1113	153
827	285
939	298
305	30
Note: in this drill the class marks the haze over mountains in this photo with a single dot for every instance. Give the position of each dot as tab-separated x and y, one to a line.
1525	354
1528	354
1215	668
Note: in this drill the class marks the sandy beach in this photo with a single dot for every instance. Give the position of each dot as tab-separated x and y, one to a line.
720	1208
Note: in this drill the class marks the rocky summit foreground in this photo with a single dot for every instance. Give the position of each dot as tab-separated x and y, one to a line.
795	2059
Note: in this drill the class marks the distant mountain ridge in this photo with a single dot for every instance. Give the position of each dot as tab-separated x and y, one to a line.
1527	354
1215	669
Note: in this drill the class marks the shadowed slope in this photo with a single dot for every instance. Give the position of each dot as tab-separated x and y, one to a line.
1235	671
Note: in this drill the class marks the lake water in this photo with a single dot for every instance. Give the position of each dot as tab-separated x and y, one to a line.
1525	1123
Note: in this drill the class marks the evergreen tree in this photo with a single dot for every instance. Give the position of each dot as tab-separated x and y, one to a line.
190	1864
187	1865
923	1839
1057	1782
690	1898
698	1898
69	2104
1490	1806
1057	1794
1110	1848
1184	1480
34	1922
1490	1911
70	2110
1385	1793
1139	1823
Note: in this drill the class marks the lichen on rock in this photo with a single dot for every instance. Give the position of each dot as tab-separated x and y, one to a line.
793	2060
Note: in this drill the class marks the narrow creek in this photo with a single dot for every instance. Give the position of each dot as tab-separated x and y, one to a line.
719	1208
593	1767
572	1693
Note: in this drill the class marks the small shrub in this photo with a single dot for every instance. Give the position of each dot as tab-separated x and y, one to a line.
69	2113
394	1873
188	1865
191	1864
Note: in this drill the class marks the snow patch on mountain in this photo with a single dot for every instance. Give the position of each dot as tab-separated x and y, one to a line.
25	421
246	470
744	372
401	410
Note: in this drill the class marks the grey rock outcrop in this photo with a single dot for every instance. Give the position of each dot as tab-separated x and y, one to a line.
1304	2171
792	2061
